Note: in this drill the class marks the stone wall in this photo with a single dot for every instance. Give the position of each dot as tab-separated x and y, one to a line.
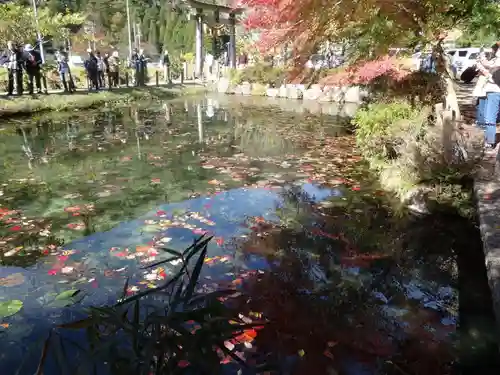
336	94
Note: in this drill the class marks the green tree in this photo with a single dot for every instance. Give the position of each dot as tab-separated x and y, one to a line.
153	34
17	23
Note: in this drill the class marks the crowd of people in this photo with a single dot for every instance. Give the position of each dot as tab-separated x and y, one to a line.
487	94
20	60
102	70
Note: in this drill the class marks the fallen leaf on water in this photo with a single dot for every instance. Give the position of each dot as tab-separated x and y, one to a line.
12	280
13	251
72	209
15	228
215	182
72	196
67	269
155	180
237	282
328	354
142	249
76	226
301	352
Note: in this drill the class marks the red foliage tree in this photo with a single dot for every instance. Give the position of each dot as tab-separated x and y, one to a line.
369	27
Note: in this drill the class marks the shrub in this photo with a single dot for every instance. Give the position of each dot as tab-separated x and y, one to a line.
419	88
407	149
259	73
381	127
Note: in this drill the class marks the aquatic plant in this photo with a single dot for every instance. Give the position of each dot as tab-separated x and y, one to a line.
167	329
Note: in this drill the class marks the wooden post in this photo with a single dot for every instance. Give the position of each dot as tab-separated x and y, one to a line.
157	77
126	79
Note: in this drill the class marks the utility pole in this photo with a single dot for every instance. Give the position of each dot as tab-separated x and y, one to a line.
38	34
129	31
93	36
138	28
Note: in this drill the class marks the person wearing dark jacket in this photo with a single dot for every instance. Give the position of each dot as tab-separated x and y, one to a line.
91	66
33	66
14	64
165	62
136	65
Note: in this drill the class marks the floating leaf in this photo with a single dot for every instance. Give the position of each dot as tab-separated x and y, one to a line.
9	308
12	280
152	228
67	294
65	298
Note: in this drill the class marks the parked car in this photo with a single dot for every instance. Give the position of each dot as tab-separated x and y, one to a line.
75	60
463	58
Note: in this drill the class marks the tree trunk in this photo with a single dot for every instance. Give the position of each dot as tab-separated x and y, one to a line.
444	70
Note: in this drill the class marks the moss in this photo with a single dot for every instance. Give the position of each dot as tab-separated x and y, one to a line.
58	102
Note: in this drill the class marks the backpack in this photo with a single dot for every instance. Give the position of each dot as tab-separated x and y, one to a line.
31	60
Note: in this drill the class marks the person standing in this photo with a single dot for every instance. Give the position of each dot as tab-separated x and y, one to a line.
101	67
64	71
143	67
492	90
165	61
105	59
33	66
114	69
91	67
14	68
136	65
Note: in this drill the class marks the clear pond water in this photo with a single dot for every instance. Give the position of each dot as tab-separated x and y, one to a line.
88	199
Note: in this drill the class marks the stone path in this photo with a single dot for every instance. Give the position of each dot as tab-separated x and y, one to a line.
487	192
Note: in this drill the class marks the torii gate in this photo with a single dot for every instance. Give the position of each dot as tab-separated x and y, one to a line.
213	12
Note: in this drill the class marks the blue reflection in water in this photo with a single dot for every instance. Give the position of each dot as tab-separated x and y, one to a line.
229	211
101	274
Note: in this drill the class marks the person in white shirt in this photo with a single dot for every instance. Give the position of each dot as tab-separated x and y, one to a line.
492	90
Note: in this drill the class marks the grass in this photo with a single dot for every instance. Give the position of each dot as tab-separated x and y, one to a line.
58	102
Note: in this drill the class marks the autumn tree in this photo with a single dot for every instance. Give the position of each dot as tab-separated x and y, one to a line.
368	27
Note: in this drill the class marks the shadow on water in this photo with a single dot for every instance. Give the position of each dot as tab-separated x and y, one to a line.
348	286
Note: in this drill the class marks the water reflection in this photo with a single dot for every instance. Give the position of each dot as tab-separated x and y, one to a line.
126	160
72	189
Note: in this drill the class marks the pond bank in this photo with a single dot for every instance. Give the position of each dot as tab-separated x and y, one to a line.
26	105
316	92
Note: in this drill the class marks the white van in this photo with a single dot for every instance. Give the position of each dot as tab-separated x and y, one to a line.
463	58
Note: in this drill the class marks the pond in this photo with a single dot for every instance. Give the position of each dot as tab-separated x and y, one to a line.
88	199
